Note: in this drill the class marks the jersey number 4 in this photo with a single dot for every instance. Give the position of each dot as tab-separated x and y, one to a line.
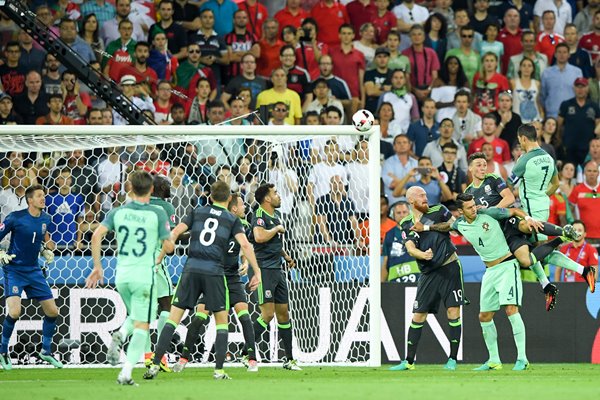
140	235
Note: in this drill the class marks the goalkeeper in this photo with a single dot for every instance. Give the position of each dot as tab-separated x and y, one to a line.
29	232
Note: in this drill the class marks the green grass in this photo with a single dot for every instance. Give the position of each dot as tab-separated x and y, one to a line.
560	381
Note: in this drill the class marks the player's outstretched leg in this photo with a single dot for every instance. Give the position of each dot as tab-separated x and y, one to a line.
163	344
560	259
195	331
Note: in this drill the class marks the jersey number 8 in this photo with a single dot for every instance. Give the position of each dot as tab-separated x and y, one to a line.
209	233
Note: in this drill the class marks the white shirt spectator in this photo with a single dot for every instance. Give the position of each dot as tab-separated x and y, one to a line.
109	31
279	177
110	173
320	177
358	189
563	13
142	104
417	15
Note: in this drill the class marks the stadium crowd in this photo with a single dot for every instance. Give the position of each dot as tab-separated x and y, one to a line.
445	79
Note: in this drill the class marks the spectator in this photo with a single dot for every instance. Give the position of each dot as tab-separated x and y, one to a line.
245	177
585	200
51	80
139	67
398	265
451	79
461	19
224	12
151	162
183	196
539	60
424	63
358	174
336	216
186	14
578	57
257	14
548	37
516	151
406	109
445	10
66	209
366	44
109	30
397	59
549	139
436	30
384	21
338	86
396	168
322	172
578	123
450	173
212	46
349	64
86	228
280	92
567	179
481	18
291	15
557	81
377	80
76	103
594	151
112	174
467	124
55	116
435	149
90	33
526	102
137	94
509	121
33	102
322	98
175	33
270	45
297	78
361	12
247	79
279	113
562	14
121	51
160	59
163	104
239	43
424	130
387	124
487	84
7	116
469	58
330	16
590	42
308	50
12	74
584	19
68	34
510	36
493	166
84	177
409	14
500	147
491	45
192	70
285	180
386	223
12	197
437	191
31	58
104	11
523	8
581	252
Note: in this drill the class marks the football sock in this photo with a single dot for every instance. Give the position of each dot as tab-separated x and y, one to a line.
285	330
136	345
221	345
195	330
248	331
414	335
48	329
538	270
561	260
490	335
7	329
162	319
551	229
164	341
455	332
126	329
261	331
518	328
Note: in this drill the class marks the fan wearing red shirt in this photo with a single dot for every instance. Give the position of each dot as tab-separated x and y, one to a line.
581	252
501	148
384	21
330	16
151	163
139	67
349	65
547	40
360	12
587	199
257	14
590	42
270	45
558	209
309	50
292	15
487	85
510	36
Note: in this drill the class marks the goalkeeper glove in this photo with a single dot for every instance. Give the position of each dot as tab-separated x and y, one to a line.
48	255
5	258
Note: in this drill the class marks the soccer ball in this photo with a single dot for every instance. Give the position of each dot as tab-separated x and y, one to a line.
363	120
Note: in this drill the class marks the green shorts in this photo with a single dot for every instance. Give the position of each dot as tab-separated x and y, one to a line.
501	286
140	300
164	287
541	215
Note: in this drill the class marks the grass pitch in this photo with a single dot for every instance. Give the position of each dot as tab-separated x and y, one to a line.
560	381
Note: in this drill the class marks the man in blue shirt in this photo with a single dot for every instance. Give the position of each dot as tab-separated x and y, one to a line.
557	81
223	10
65	209
426	129
29	230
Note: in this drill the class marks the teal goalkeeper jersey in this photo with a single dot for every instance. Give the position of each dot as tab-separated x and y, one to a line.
534	169
485	233
139	228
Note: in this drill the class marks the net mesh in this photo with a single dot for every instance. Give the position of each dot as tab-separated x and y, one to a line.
324	187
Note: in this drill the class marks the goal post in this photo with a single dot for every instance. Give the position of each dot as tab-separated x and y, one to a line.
337	282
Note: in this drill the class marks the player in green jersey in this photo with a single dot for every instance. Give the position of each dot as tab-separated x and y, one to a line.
501	285
142	233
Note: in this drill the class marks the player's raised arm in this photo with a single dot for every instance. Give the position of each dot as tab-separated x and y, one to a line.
97	274
262	235
248	251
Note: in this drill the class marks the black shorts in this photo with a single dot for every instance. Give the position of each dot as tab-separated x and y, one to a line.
443	284
273	287
514	237
237	290
194	288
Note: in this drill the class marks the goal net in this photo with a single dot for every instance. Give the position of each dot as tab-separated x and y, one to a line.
328	179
